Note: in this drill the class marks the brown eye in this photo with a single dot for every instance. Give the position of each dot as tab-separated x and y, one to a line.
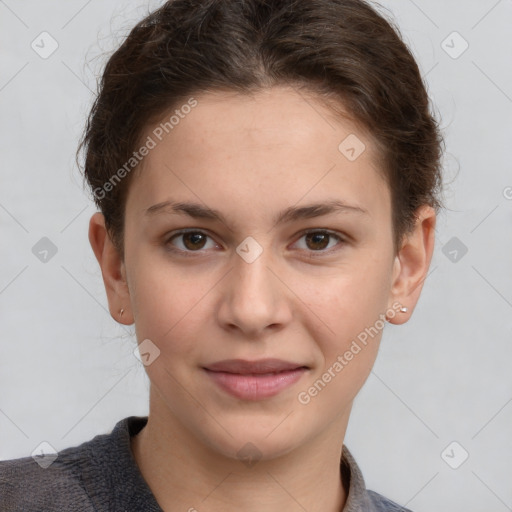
189	241
320	241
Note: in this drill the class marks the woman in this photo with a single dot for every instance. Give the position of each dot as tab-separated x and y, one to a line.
267	175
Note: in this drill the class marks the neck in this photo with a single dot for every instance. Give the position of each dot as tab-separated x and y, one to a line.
185	473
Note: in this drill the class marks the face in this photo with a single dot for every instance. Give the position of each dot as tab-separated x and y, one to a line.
260	273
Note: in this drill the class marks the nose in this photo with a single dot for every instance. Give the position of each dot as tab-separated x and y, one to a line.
254	298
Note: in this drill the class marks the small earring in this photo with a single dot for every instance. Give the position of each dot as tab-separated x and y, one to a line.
402	310
121	312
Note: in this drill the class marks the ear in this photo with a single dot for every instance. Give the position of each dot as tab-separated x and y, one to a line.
412	262
112	270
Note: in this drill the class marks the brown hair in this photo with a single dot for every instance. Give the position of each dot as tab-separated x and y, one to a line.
345	51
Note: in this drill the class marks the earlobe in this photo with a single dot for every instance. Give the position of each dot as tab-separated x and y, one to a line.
112	270
412	264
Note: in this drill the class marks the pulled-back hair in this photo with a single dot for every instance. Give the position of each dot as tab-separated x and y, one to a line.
345	51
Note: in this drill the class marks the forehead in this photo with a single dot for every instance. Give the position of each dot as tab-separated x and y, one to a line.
273	147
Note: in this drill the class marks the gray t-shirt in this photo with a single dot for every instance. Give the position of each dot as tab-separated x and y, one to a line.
102	475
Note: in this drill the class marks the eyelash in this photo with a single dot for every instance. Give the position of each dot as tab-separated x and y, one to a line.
313	254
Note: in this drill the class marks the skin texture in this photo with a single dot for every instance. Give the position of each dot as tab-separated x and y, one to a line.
250	157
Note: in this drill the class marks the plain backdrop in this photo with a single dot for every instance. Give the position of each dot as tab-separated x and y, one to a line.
441	389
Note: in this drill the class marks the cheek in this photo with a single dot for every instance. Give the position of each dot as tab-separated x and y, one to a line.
347	342
156	309
345	318
168	304
346	300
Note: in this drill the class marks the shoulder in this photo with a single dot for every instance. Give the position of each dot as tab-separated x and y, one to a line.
82	478
26	485
383	504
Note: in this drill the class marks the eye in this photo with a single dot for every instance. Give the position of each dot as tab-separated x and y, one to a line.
320	240
191	241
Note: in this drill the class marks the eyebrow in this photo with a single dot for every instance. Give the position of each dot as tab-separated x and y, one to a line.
293	213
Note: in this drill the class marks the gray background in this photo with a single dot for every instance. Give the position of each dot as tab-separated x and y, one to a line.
67	371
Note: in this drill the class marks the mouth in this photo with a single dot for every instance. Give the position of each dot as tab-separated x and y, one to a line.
258	367
255	380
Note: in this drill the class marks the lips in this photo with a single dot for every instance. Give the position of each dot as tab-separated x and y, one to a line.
261	366
254	380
